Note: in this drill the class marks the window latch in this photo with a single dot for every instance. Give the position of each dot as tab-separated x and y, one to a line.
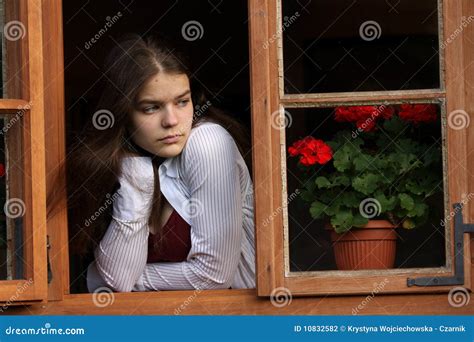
460	228
48	247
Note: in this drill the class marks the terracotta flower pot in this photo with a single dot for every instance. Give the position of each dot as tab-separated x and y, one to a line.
366	248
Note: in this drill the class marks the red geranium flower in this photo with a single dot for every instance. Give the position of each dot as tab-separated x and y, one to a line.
365	117
366	125
311	151
386	112
417	113
354	113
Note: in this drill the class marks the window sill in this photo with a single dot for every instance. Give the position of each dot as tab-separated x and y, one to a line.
244	302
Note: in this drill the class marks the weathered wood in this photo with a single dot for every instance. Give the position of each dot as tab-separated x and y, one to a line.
244	302
26	83
55	145
265	172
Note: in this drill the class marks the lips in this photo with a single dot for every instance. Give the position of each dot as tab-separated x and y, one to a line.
171	139
170	136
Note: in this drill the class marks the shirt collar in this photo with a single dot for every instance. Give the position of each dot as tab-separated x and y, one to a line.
170	167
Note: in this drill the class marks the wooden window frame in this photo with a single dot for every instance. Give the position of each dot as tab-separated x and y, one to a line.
272	250
265	100
24	84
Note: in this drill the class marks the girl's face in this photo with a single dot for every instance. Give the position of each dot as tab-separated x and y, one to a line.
163	114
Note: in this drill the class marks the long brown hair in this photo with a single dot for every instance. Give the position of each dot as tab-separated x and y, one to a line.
93	163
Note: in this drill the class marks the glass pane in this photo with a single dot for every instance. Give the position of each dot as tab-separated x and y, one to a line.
2	48
349	166
11	198
13	32
360	45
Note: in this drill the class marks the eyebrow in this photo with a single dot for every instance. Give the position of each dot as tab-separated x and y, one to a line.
143	101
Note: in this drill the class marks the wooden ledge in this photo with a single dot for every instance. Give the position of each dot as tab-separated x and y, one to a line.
242	302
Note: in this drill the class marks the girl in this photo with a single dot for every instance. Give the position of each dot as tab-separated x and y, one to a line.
179	190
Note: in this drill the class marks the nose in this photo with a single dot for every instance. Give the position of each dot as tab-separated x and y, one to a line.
170	117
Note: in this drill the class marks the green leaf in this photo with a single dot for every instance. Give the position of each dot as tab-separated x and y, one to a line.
326	196
406	202
341	180
386	203
342	160
381	162
359	220
349	199
404	161
334	207
418	209
317	209
362	162
366	183
414	187
322	182
342	221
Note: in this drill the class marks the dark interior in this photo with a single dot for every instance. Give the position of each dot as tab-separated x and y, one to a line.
363	45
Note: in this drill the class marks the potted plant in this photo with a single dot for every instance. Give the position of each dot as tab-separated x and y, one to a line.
367	181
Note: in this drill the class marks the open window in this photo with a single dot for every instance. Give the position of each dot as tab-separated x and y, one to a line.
218	58
320	56
306	58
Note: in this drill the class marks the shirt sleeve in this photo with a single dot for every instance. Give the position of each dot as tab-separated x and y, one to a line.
121	254
211	173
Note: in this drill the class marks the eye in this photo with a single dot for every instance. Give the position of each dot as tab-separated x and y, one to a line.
183	102
151	109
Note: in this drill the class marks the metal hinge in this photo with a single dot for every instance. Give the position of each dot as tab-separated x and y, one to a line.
460	228
48	247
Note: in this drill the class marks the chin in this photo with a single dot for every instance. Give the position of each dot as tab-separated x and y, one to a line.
170	151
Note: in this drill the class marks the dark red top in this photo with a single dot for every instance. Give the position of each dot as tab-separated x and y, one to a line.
177	241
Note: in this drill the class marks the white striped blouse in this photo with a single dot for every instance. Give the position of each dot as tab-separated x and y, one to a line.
209	185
